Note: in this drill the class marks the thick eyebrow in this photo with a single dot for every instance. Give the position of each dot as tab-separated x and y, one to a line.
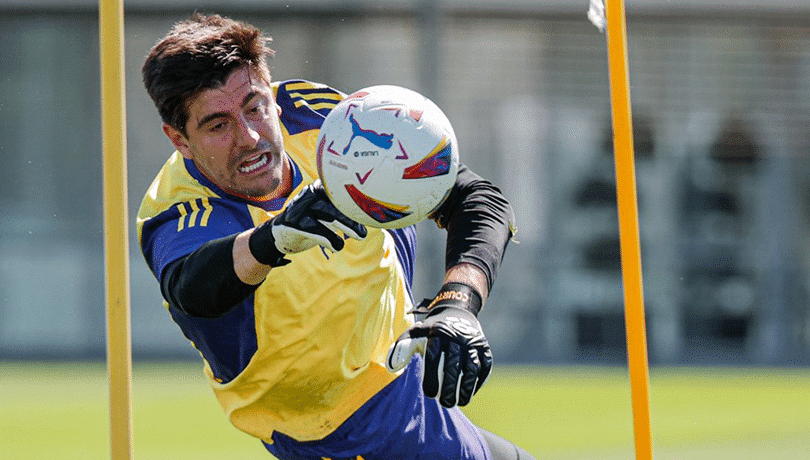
211	116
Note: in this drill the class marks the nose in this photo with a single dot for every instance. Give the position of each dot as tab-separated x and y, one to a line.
247	135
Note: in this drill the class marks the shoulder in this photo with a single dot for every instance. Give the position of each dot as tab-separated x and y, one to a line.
173	184
304	104
175	195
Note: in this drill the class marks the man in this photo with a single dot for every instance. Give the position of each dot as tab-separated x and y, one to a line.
293	306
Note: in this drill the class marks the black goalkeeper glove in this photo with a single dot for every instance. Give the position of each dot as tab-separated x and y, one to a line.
457	355
309	219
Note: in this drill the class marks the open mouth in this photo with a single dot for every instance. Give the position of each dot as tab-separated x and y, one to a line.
254	164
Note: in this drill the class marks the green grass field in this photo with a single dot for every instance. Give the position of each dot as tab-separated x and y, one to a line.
60	411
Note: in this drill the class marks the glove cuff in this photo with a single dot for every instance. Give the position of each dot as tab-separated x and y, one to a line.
457	295
262	245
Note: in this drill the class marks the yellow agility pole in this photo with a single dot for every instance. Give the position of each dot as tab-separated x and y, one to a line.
613	19
116	249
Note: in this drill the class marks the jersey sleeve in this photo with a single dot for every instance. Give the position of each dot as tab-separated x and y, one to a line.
479	222
185	227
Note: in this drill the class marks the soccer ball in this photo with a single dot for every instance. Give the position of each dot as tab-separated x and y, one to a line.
387	156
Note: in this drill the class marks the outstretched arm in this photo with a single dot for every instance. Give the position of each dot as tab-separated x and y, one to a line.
458	359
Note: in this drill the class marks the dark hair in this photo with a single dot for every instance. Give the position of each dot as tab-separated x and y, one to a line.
199	53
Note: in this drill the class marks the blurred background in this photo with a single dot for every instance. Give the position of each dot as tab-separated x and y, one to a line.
721	104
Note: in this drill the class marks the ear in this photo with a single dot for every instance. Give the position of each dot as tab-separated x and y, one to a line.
178	140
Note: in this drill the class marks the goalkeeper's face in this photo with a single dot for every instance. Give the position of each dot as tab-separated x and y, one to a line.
234	137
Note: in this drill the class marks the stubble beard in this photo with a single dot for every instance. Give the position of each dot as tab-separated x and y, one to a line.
268	182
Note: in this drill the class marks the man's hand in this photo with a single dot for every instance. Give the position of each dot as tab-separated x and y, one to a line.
458	358
309	219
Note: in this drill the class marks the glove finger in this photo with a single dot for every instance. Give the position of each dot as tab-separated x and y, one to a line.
299	204
355	231
400	353
451	372
485	358
468	381
326	236
323	210
434	368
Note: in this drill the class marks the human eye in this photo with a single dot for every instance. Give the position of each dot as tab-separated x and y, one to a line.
217	126
258	108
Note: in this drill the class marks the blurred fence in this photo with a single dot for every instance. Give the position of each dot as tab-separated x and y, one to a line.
721	101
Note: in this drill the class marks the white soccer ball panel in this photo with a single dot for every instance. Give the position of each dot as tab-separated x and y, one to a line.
387	156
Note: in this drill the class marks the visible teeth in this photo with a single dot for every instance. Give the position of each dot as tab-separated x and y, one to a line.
258	164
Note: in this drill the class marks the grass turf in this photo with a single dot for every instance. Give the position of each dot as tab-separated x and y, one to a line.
60	411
